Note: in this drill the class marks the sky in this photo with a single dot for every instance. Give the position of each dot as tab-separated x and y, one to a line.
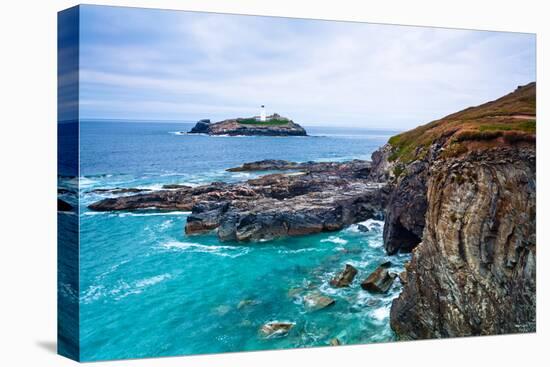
143	64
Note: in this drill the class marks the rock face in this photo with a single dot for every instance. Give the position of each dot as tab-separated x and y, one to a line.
274	126
404	221
463	196
474	272
319	197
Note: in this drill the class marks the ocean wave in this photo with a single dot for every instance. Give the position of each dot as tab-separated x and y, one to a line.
219	250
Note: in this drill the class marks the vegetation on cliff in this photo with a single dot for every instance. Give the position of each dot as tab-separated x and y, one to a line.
508	120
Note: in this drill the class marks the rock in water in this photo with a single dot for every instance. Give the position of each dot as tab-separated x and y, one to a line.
316	301
274	126
379	281
362	228
345	278
63	206
276	329
335	342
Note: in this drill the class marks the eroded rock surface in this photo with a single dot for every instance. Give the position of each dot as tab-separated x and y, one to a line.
474	272
319	197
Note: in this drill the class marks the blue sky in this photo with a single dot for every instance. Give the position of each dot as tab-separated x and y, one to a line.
173	65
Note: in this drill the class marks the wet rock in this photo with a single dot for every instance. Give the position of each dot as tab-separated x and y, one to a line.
345	278
335	342
175	186
63	206
276	329
246	302
379	281
362	228
119	190
315	301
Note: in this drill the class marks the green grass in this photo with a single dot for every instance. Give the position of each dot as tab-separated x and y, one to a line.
271	122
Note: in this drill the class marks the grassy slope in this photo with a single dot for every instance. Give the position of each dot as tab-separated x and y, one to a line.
270	122
491	123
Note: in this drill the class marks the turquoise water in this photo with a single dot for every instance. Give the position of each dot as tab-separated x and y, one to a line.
147	289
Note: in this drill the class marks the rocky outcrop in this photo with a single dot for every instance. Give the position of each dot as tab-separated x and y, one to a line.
474	272
379	281
320	197
345	278
464	197
275	125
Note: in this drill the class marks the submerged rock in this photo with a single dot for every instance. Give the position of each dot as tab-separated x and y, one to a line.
379	281
315	301
335	342
276	329
345	278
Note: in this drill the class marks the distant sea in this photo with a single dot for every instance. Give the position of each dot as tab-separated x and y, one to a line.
147	289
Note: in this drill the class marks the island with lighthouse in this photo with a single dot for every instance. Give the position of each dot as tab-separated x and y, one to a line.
263	125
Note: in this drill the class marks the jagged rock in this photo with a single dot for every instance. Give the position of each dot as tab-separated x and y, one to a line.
248	126
362	228
276	329
63	206
404	221
379	281
327	196
345	278
315	301
474	272
119	190
175	186
335	342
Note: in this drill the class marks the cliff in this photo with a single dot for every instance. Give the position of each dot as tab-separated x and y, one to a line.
463	193
275	125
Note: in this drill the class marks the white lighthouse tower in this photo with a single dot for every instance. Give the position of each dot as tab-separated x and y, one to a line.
262	113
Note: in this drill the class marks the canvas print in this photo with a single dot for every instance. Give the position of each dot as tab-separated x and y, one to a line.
232	183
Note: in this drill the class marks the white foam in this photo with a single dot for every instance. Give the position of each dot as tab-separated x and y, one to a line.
381	313
152	281
219	250
127	214
335	239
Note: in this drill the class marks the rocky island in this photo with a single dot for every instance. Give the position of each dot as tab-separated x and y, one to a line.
459	192
274	125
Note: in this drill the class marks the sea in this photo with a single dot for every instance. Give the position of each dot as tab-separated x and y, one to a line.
148	290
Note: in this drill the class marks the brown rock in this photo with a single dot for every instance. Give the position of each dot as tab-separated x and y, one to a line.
315	301
276	329
345	278
379	281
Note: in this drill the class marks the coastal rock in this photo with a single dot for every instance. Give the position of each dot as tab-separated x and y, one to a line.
63	206
379	281
362	228
176	186
276	329
335	342
474	272
119	190
275	125
315	301
404	221
345	278
325	196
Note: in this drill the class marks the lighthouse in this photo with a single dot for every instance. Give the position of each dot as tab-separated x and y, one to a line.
262	113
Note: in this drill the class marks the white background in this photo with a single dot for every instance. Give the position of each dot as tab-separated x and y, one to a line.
28	182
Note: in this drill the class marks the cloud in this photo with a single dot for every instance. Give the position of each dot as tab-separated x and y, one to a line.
184	66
